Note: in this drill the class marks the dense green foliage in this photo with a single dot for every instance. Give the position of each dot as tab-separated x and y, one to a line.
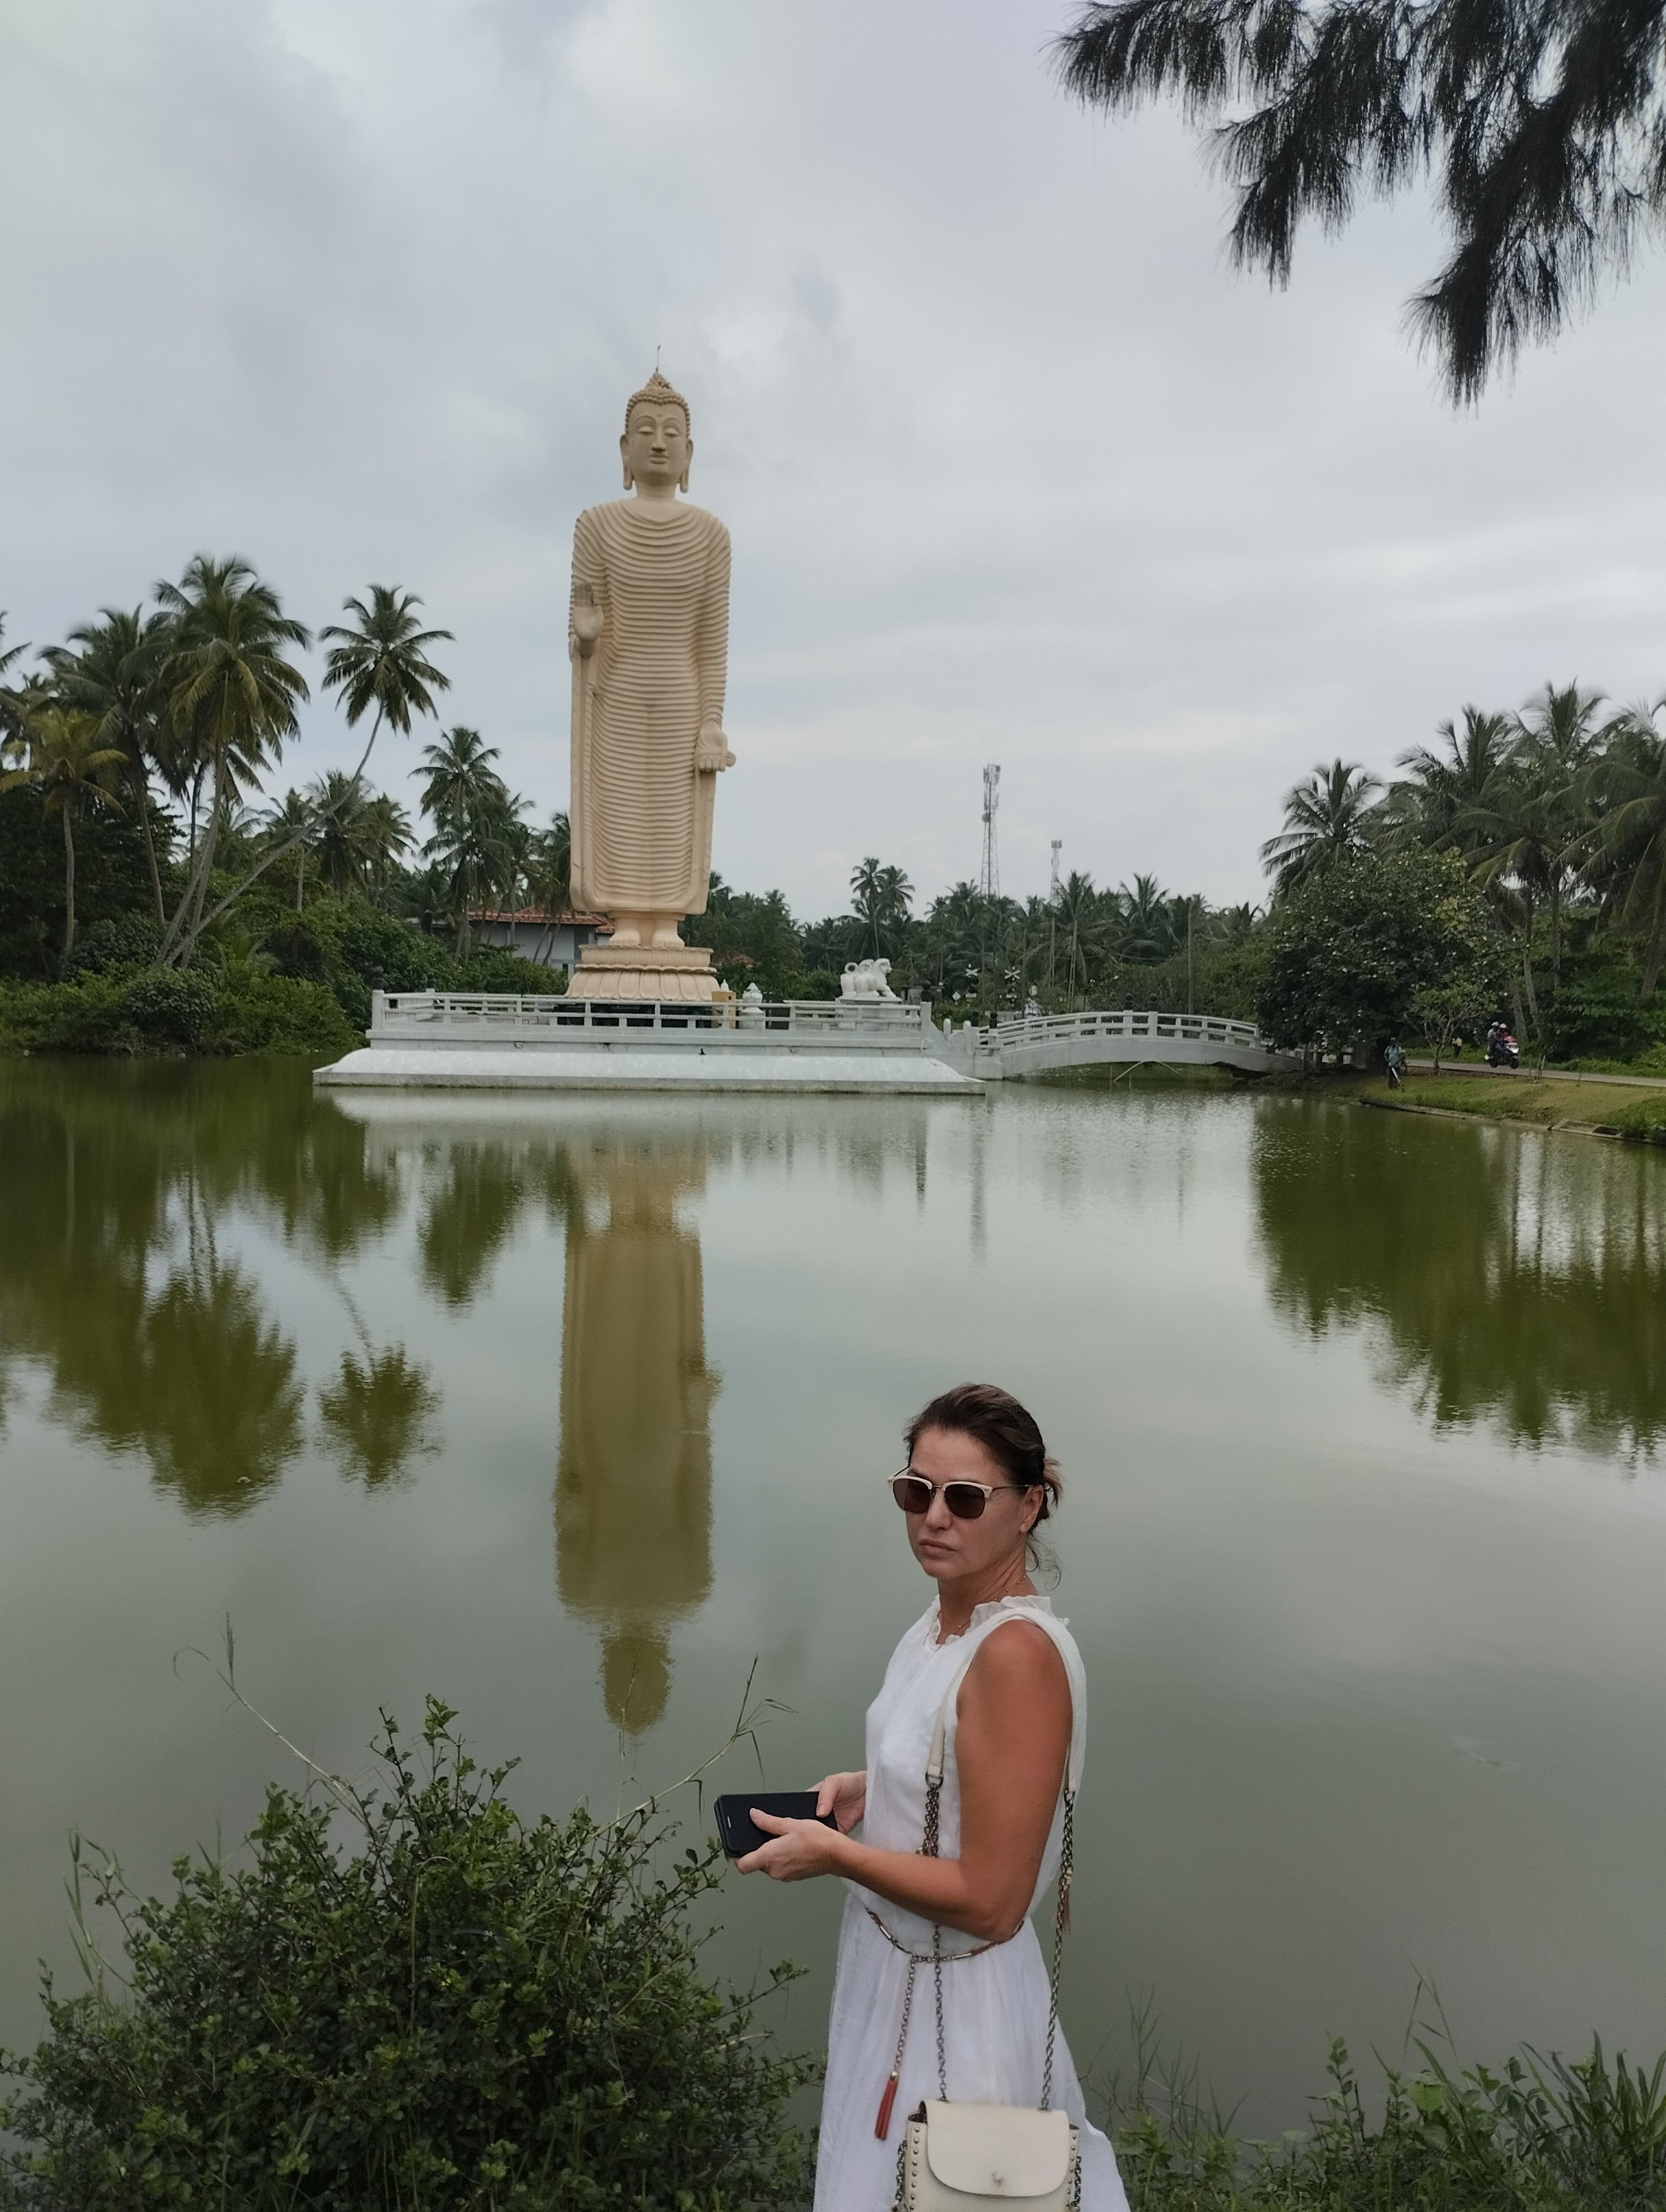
1557	815
277	978
466	2009
1532	2136
1381	945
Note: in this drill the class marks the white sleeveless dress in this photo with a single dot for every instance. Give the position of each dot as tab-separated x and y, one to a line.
994	2005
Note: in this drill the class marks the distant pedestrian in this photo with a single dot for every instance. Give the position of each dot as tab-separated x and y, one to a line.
1396	1058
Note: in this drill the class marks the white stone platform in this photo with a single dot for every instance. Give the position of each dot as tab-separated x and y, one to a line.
429	1040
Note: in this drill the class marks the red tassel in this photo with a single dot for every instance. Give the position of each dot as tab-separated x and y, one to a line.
882	2125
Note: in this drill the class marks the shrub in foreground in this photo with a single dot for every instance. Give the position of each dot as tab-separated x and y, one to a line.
1533	2135
463	2009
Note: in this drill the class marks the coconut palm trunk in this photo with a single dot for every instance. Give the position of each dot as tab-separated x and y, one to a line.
1527	966
142	805
68	880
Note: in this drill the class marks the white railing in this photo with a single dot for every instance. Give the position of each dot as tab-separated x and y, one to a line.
435	1014
1199	1029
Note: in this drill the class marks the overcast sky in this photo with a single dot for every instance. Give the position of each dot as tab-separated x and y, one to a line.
1016	470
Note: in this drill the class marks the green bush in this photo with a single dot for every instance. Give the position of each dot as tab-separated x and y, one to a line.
1532	2136
89	1016
260	1012
171	1007
162	1010
124	941
467	2010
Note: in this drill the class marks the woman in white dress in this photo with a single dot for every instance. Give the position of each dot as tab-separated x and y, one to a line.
978	1478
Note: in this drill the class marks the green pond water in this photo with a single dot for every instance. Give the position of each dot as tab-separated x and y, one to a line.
570	1410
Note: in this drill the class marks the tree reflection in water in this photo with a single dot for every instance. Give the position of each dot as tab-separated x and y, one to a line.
633	1489
122	1188
1509	1277
379	1415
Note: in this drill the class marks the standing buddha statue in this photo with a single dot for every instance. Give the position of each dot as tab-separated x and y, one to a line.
648	633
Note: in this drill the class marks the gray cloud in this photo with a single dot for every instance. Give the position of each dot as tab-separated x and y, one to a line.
1015	469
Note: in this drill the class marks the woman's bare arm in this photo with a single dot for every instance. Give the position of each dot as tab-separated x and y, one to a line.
1012	1739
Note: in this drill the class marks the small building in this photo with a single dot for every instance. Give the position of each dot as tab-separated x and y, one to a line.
550	940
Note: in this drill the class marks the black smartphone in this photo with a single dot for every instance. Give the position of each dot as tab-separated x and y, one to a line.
735	1830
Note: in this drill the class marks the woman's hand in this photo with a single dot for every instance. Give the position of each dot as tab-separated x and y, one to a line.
797	1850
844	1795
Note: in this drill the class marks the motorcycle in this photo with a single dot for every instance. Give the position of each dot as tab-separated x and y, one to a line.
1502	1050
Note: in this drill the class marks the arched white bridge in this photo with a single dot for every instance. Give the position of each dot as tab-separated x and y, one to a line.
1030	1044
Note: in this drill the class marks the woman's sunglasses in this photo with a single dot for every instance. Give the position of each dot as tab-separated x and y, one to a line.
965	1500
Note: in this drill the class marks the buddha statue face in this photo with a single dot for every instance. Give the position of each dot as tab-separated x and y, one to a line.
656	447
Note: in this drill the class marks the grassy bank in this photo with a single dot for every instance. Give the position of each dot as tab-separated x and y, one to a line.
1615	1108
1536	2134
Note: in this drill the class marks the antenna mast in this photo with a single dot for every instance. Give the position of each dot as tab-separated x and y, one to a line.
990	881
1053	890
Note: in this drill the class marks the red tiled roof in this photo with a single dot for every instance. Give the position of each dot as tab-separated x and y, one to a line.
540	917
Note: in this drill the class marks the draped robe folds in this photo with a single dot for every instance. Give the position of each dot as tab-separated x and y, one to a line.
641	812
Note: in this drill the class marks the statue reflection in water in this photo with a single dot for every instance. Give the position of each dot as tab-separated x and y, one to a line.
633	1489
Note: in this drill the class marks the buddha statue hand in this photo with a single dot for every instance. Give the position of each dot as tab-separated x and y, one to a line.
586	622
712	752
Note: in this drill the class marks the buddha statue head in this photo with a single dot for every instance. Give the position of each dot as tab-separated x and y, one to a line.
656	447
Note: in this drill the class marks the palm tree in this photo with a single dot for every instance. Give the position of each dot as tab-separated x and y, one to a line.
116	677
384	836
458	770
1082	924
337	817
1532	817
1520	834
1627	842
477	830
69	767
1332	814
1146	923
1433	803
549	874
289	825
232	698
880	898
381	661
11	724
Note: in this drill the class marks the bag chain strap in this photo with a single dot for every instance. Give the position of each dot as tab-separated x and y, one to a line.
928	1848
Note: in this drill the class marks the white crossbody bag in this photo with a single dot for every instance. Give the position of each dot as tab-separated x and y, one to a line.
964	2158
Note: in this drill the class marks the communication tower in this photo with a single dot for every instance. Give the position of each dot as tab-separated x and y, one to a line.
990	881
1053	890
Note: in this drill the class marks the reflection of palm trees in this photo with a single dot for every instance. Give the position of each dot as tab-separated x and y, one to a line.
1512	1278
217	1406
632	1490
378	1414
152	1339
469	1218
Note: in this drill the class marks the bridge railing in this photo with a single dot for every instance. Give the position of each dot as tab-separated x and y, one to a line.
439	1016
1189	1029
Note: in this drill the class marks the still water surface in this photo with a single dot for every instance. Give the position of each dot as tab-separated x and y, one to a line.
568	1411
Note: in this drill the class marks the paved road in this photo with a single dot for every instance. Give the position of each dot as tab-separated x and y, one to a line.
1550	1074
